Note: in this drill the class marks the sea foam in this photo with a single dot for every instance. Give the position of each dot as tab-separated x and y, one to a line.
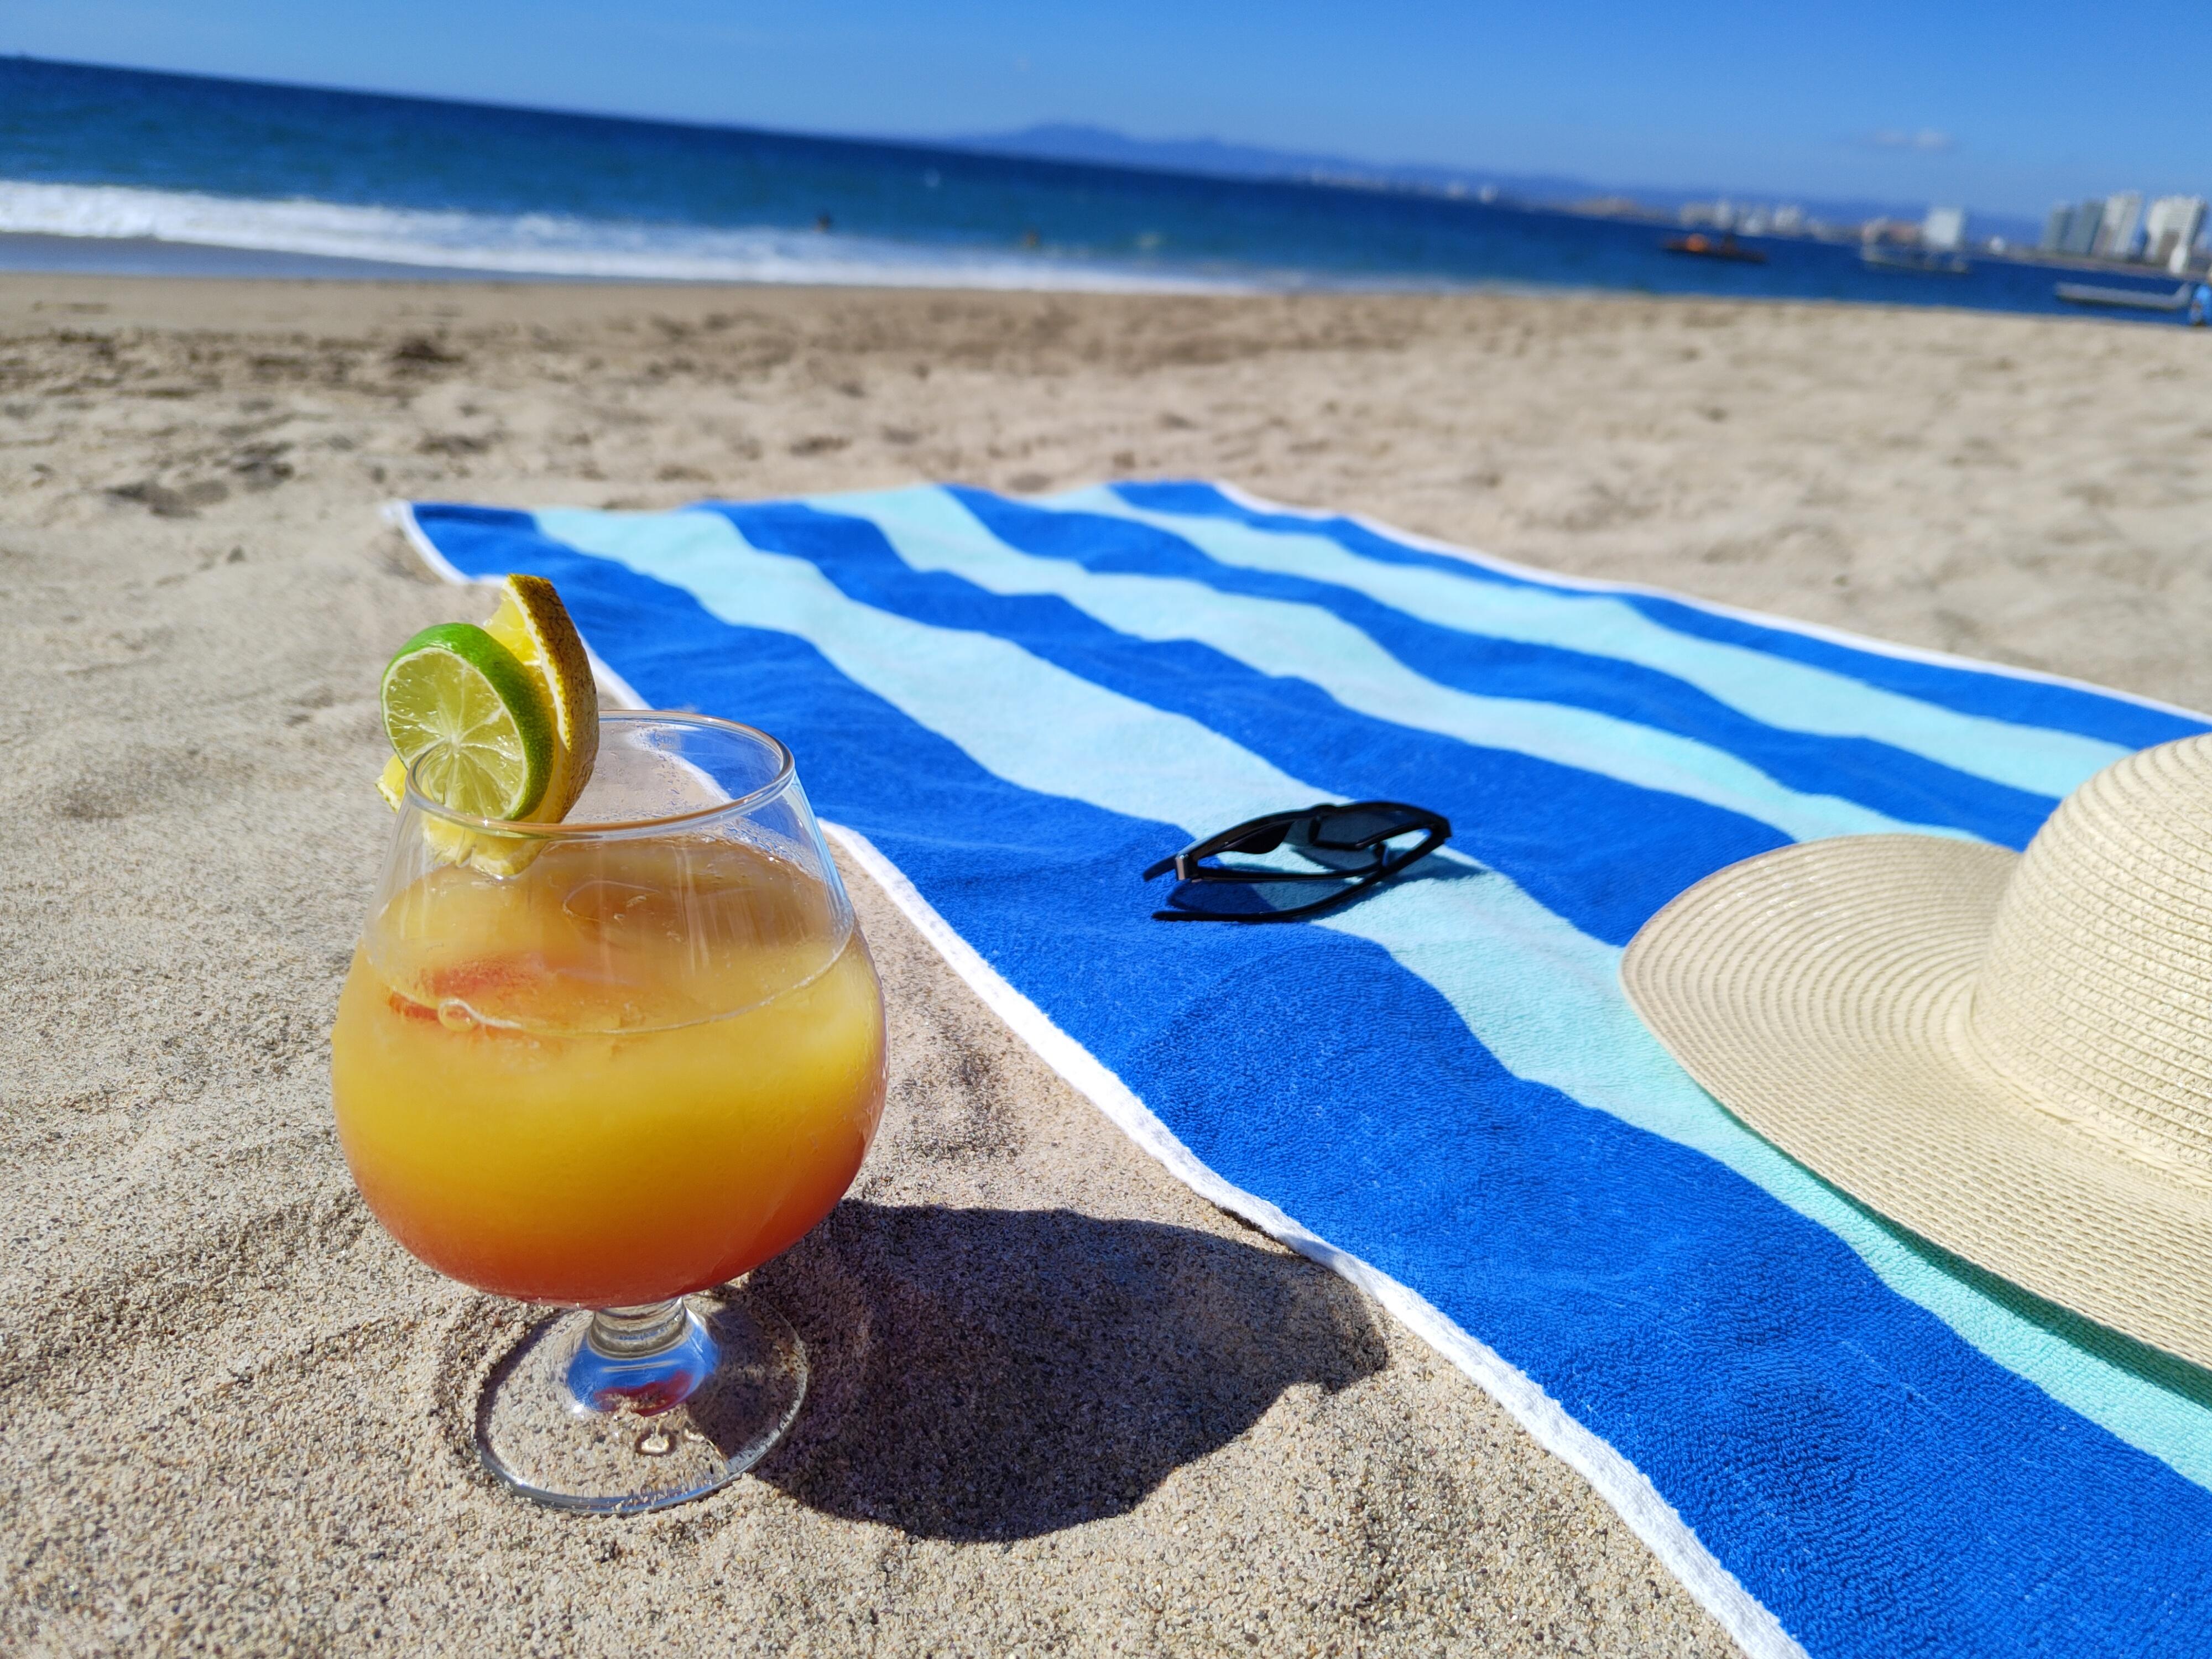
551	245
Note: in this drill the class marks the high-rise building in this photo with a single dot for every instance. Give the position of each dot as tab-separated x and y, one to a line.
2170	230
2116	236
2082	223
1944	229
2056	226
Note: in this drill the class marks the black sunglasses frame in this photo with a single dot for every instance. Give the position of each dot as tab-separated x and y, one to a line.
1254	836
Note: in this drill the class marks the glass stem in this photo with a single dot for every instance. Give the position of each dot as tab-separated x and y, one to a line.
642	1360
636	1333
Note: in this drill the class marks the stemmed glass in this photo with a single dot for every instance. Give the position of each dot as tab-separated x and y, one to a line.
612	1065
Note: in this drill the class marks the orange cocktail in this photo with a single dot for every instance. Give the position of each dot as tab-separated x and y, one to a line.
614	1062
632	1070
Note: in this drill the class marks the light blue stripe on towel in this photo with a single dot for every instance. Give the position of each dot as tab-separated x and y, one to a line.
1538	994
932	531
1783	693
985	693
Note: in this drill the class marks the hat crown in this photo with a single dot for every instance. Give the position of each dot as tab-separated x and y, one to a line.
2096	996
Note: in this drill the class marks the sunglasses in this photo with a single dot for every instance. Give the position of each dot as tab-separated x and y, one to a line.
1318	857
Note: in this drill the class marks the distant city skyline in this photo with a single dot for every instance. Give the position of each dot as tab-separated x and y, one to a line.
1890	102
1061	141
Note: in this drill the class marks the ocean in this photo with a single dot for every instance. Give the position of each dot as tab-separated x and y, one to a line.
113	170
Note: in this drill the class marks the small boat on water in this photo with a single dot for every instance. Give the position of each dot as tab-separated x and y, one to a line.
1702	246
2130	299
1912	261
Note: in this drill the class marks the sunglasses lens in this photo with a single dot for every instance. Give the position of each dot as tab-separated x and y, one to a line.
1358	838
1259	841
1229	900
1358	826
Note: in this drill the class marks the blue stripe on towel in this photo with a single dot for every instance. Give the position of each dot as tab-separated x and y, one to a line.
1513	812
2016	701
1465	1110
1908	789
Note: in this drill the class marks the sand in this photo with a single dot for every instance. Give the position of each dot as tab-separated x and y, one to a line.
1060	1404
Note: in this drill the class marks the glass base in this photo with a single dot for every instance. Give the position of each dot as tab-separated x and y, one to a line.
631	1409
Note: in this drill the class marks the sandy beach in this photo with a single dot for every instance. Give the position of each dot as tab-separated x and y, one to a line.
1060	1404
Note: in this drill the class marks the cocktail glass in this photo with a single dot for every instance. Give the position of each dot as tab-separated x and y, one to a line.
610	1065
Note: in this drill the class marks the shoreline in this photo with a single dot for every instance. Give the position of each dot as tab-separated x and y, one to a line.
150	260
29	253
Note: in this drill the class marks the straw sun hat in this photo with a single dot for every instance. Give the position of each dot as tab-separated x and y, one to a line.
2009	1054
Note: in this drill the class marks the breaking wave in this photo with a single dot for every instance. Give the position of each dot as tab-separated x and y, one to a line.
551	245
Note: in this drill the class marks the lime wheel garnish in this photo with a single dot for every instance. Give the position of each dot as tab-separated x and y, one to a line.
467	721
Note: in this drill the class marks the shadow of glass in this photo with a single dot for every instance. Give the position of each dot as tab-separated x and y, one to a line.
990	1375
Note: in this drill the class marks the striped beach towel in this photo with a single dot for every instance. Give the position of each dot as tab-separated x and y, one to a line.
1843	1441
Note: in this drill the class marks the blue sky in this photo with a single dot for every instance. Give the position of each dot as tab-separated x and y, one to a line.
2003	109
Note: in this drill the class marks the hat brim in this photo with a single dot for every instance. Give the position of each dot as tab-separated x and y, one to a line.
1821	992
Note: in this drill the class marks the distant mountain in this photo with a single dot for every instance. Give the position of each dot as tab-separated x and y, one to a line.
1066	141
